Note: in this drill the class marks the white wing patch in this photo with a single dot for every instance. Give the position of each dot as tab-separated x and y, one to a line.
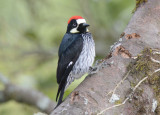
70	63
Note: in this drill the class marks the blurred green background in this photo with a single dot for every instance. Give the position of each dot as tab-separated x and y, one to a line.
30	34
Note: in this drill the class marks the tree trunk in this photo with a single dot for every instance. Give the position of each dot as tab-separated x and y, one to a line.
127	82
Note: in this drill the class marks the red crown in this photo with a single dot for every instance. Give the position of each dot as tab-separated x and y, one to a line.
75	17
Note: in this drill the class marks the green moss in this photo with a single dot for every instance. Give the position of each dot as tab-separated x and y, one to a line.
132	85
138	3
119	101
143	66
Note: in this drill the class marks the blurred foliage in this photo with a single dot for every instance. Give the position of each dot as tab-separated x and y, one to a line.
31	31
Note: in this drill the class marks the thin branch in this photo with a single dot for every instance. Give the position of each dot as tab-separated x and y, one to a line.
139	83
157	70
25	95
117	105
113	91
156	61
156	51
117	85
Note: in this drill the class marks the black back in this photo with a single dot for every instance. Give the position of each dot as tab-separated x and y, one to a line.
69	51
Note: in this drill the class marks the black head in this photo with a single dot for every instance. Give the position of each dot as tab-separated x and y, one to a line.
77	24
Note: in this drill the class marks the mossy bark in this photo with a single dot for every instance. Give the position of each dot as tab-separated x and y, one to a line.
144	66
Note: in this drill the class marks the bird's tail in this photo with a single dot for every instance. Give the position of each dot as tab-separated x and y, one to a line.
61	93
62	86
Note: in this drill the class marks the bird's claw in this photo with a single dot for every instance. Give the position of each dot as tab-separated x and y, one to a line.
93	70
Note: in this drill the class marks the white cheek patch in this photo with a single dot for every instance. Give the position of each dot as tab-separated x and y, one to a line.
79	21
74	30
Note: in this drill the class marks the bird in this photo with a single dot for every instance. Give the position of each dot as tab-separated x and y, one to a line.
76	54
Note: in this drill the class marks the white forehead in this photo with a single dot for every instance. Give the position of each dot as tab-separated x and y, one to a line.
79	21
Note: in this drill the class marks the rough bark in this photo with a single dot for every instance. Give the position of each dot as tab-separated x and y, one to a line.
128	82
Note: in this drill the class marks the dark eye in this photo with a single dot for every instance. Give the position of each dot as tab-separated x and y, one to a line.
74	24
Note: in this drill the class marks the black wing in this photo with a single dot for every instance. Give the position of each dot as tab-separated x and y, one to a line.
69	52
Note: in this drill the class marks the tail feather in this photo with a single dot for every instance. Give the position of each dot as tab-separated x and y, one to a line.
60	97
62	86
60	93
59	90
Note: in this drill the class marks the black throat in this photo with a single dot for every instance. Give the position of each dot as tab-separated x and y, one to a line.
82	29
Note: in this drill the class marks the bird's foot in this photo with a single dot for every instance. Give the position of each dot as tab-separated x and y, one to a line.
93	70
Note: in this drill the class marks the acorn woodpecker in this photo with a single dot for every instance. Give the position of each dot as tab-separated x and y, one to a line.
76	54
